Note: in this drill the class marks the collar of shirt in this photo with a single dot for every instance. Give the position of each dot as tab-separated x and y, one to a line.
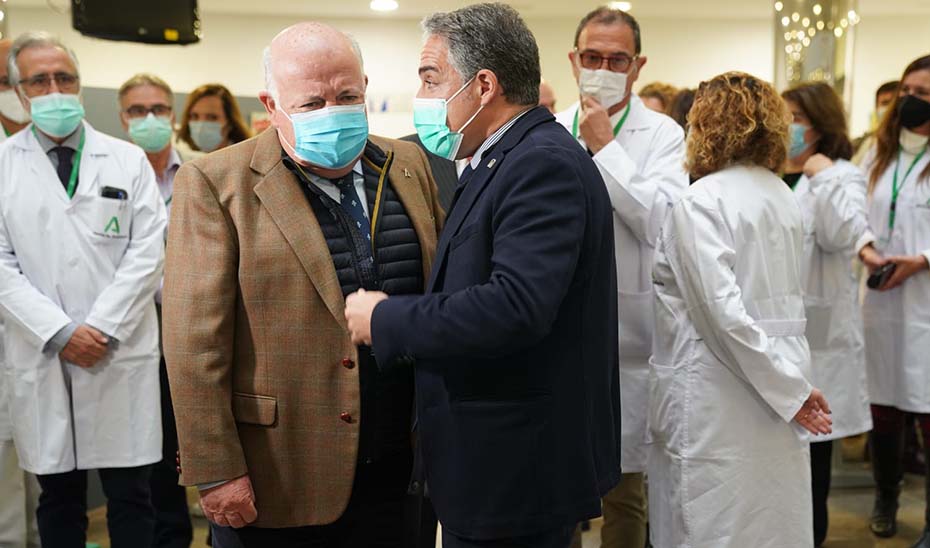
166	180
73	141
322	182
493	139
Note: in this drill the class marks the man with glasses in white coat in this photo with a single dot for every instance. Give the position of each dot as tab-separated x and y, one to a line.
81	252
640	155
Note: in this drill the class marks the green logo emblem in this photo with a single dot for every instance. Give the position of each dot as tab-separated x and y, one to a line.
112	226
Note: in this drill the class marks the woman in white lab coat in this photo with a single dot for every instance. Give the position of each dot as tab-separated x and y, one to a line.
831	193
731	398
896	316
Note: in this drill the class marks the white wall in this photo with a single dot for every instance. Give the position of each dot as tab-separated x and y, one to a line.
680	51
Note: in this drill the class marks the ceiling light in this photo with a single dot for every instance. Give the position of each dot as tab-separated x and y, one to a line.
838	32
622	6
785	21
817	9
383	5
779	6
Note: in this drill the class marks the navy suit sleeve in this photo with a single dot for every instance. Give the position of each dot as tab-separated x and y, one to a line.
538	224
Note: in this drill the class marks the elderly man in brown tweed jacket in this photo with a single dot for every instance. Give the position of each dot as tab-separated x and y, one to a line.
292	433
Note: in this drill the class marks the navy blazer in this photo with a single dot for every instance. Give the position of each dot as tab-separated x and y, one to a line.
515	342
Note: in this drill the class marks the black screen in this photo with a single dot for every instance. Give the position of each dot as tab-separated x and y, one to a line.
149	21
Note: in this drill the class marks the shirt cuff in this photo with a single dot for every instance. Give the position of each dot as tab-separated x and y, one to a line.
867	238
59	340
204	486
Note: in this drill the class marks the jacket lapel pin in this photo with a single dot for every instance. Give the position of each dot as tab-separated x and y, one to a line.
407	174
492	162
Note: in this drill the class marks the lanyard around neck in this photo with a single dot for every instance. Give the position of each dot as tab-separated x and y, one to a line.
75	165
896	189
617	127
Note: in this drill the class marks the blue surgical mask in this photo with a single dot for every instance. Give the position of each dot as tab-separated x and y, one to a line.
206	135
56	114
152	133
796	144
331	137
429	117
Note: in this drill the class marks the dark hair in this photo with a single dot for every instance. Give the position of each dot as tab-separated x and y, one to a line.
493	37
890	130
238	130
824	108
681	106
606	15
887	87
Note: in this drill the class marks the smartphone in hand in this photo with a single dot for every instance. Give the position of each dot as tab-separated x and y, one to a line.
881	276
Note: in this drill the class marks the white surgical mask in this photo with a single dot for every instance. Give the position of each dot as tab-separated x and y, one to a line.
207	135
11	108
911	142
605	86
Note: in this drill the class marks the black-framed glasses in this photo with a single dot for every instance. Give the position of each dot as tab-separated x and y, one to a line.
616	63
140	111
4	81
41	83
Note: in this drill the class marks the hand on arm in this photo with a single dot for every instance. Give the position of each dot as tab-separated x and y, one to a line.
815	164
86	347
231	504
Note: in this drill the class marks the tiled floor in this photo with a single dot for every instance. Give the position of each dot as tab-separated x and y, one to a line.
849	528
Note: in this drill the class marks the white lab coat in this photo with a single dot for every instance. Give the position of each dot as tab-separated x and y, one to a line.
6	427
728	467
643	169
65	260
835	229
897	322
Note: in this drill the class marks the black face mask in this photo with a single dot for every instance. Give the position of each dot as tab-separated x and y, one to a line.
913	112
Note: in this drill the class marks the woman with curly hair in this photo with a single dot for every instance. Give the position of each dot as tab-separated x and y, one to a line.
731	396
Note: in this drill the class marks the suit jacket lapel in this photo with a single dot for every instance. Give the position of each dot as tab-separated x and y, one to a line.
285	202
482	175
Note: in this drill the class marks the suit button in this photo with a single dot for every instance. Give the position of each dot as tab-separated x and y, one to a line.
347	363
346	417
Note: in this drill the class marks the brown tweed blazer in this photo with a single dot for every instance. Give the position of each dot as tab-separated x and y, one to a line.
260	363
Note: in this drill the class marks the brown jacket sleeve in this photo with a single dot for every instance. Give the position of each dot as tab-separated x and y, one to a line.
200	302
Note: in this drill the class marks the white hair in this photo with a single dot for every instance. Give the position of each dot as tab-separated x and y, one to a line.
34	39
272	86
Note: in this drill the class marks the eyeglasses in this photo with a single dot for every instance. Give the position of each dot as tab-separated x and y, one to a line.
140	111
4	82
41	83
616	63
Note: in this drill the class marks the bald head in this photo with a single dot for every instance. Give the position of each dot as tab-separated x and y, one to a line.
547	96
309	48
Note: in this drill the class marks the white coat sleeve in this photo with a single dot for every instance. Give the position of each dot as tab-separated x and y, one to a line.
641	199
840	217
120	307
700	252
22	302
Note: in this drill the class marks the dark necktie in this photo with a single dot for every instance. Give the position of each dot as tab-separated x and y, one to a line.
65	155
352	204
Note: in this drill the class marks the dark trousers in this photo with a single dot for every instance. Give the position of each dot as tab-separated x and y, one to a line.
556	538
821	461
173	527
374	517
62	510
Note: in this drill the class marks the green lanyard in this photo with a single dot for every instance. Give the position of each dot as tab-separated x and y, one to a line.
75	166
7	132
895	189
616	127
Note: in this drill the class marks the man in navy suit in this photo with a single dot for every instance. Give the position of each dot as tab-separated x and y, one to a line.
515	342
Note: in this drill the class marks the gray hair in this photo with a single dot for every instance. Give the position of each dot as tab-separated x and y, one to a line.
272	86
491	36
35	39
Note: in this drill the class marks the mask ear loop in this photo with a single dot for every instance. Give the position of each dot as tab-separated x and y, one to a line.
473	116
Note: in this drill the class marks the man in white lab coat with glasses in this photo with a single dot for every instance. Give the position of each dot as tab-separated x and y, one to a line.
640	155
81	252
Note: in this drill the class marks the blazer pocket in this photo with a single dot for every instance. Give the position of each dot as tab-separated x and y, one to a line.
463	235
255	409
